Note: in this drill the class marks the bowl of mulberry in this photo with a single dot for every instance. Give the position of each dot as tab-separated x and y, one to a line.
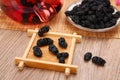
93	15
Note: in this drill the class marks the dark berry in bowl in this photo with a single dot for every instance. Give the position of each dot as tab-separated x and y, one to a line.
93	15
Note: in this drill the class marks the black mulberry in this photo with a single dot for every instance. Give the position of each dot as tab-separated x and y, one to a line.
53	49
63	54
44	42
98	61
61	60
117	14
43	30
62	42
68	13
37	51
87	56
97	13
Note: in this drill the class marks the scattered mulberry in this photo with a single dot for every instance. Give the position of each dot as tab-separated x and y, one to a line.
63	54
61	60
62	42
37	51
98	61
44	42
53	49
43	30
87	56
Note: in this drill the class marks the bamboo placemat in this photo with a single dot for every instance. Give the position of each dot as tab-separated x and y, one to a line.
59	24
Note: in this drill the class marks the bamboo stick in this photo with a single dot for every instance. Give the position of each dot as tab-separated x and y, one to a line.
21	64
70	58
46	65
78	37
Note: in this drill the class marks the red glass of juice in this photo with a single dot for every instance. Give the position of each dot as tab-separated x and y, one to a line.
31	11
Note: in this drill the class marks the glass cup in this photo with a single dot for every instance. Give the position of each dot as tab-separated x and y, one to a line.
31	11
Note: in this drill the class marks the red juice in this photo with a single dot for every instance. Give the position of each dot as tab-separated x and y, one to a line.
31	11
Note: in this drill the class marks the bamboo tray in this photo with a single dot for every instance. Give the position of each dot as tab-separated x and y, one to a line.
48	60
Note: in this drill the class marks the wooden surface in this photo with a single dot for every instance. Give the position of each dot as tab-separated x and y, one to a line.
14	43
59	24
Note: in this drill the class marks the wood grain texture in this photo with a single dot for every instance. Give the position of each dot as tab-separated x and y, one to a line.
59	24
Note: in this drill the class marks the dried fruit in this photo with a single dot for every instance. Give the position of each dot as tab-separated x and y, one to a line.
44	42
94	14
62	42
53	49
43	30
61	60
63	54
87	56
27	4
98	61
37	51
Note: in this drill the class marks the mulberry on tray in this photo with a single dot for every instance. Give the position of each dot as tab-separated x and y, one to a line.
37	51
44	42
43	30
62	42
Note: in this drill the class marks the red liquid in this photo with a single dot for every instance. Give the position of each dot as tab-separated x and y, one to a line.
31	11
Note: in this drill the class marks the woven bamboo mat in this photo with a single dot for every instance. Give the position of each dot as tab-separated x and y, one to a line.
59	24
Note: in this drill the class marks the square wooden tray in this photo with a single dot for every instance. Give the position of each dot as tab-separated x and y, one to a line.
48	60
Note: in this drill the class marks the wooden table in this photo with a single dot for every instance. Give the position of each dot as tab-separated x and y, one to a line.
13	43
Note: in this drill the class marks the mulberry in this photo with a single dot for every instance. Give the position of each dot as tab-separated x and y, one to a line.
61	60
97	13
98	61
53	49
63	54
62	42
87	56
37	51
43	30
44	42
